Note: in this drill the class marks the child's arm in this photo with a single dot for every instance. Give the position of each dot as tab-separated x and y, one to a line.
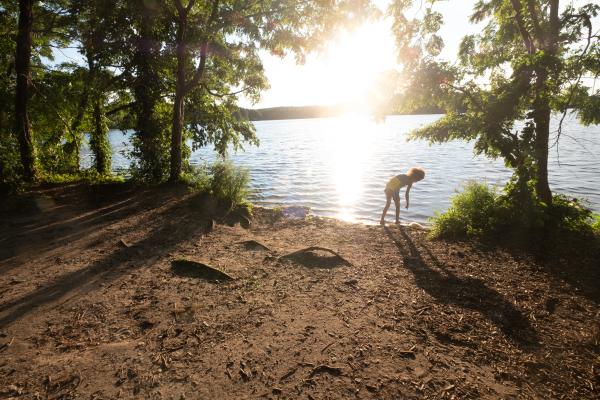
407	193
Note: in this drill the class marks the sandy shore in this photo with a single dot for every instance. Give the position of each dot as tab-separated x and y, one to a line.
91	307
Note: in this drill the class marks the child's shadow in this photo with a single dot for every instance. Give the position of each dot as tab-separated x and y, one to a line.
466	292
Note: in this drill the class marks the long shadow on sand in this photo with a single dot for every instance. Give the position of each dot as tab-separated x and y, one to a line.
184	221
59	219
465	292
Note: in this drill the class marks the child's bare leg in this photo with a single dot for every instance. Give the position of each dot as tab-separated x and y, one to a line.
397	203
388	201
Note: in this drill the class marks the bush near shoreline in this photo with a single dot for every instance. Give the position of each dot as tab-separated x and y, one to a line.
482	212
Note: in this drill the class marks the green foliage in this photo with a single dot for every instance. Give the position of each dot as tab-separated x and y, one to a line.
596	224
91	177
569	215
472	213
526	62
514	214
99	143
223	180
229	182
197	178
10	165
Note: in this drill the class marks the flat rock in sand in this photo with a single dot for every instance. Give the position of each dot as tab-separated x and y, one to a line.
253	245
317	257
193	269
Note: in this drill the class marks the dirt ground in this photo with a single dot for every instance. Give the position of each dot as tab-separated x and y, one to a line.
91	307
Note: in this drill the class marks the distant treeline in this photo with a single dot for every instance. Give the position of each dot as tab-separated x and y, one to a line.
303	112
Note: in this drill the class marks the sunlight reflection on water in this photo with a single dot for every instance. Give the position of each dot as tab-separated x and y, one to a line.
339	166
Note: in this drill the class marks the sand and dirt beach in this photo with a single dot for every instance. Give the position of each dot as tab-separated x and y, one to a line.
92	306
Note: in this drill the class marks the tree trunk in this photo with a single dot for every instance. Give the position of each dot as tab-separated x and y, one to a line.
75	145
542	110
147	94
542	135
99	141
541	118
178	105
177	138
23	70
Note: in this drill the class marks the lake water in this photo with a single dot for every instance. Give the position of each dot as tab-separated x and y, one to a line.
339	166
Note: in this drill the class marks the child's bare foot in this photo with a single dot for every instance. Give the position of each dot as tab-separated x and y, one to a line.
397	222
382	222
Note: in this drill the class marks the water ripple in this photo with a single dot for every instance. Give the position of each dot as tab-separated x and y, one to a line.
338	167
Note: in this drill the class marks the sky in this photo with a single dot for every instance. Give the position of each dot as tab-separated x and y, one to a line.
349	64
351	61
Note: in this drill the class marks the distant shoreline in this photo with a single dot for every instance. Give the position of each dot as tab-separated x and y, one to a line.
301	112
307	112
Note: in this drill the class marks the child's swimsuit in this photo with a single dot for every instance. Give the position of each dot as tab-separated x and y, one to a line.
396	183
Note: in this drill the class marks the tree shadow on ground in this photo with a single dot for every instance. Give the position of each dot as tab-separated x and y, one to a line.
465	292
572	259
183	220
53	217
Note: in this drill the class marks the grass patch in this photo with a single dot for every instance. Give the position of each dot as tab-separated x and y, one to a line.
91	177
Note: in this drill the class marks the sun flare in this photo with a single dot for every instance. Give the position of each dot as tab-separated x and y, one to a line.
342	73
347	151
353	61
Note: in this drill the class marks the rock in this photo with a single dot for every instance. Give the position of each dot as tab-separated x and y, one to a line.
336	371
253	245
551	304
417	226
194	269
407	354
245	222
317	257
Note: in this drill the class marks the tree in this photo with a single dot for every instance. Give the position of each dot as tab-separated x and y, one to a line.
34	39
148	87
99	30
10	162
216	45
181	63
527	62
96	29
23	71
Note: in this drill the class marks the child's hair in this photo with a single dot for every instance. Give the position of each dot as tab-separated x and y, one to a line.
416	172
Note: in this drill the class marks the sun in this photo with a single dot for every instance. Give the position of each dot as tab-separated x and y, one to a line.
341	73
353	61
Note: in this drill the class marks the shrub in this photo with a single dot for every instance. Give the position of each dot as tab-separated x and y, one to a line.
197	178
515	214
10	164
570	216
472	212
229	183
223	180
596	223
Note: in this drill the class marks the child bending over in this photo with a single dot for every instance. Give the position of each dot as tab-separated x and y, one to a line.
392	190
